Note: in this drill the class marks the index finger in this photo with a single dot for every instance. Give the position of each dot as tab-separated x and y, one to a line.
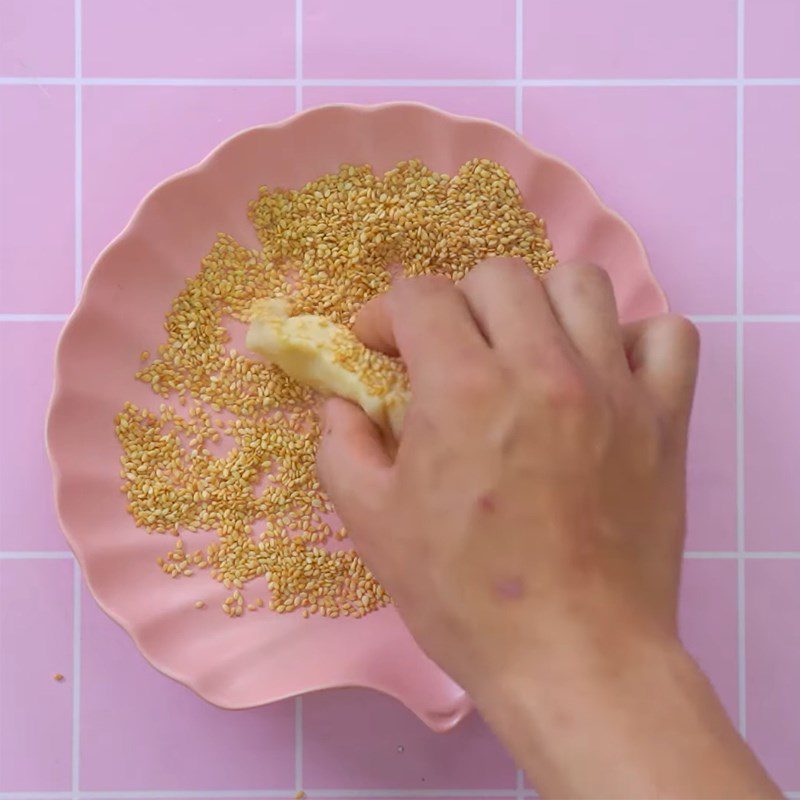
428	322
373	325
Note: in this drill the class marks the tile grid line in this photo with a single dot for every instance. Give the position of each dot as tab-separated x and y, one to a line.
76	572
281	794
261	794
9	80
741	652
298	107
76	677
518	69
78	189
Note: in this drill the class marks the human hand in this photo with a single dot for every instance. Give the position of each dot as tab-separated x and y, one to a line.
536	500
530	524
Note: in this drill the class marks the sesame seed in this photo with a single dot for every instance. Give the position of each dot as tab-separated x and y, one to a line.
326	248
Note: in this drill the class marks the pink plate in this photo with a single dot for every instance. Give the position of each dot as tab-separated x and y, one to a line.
264	657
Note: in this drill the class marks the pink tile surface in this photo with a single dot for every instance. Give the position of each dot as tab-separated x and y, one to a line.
772	436
35	644
413	39
155	131
36	38
712	444
772	36
37	211
491	102
665	158
27	512
662	156
629	39
189	38
356	739
156	723
708	623
773	664
772	207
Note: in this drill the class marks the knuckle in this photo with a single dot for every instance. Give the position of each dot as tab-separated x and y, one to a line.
682	331
419	284
496	268
504	264
476	381
565	389
581	277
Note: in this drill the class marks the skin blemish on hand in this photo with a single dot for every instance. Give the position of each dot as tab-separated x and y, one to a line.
509	588
487	503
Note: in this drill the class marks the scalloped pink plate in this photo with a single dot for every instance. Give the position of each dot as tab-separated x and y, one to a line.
263	657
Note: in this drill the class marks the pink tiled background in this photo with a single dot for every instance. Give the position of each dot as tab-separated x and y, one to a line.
686	118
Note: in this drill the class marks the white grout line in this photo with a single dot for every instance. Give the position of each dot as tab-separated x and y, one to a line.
518	60
298	744
76	676
78	149
36	795
298	55
744	317
388	82
179	793
753	555
369	794
776	555
740	454
710	555
23	555
78	256
33	317
283	794
547	83
242	83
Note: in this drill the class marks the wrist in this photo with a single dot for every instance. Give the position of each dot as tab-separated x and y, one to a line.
636	718
580	664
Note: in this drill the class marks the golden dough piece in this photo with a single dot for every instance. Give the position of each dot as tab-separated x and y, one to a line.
329	358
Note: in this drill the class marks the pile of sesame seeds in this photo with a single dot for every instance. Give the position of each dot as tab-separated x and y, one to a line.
232	447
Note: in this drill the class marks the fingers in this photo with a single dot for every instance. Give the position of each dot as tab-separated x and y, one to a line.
373	325
352	462
663	354
512	308
428	321
582	299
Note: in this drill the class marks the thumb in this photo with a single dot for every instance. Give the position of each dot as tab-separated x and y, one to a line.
352	461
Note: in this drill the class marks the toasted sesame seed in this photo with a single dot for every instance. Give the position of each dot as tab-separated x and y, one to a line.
199	604
327	248
58	677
